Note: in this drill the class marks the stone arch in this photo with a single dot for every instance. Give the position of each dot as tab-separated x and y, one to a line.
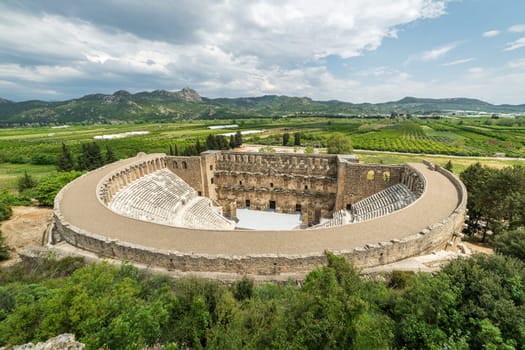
175	164
386	176
184	165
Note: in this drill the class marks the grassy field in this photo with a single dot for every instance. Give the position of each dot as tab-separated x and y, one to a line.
9	173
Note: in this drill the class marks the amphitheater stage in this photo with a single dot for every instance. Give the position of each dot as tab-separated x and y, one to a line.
267	220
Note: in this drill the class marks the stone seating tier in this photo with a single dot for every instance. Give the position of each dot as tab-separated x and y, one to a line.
164	198
382	203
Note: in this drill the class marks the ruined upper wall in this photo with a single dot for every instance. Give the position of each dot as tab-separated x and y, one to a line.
281	163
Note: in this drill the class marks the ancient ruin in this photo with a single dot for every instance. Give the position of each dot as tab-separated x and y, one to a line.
180	213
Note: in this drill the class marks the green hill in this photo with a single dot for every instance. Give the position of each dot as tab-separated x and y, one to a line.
162	105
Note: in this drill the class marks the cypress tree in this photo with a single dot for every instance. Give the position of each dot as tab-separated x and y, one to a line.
211	142
297	139
82	160
238	139
286	138
65	161
94	156
222	142
110	156
199	147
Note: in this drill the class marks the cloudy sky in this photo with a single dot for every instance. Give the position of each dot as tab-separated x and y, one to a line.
350	50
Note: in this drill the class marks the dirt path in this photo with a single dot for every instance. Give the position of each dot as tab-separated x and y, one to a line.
479	248
26	227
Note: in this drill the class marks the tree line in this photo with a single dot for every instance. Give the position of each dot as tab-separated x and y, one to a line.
212	142
90	157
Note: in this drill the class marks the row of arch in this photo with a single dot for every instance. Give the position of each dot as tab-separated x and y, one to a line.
184	164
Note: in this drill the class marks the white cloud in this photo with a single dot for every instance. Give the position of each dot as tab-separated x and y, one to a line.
460	61
517	28
437	52
242	49
476	70
515	44
245	48
491	33
516	64
292	29
38	73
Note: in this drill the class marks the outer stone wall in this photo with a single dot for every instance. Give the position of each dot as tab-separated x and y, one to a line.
409	240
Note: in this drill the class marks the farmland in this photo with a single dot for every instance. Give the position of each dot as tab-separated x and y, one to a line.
36	149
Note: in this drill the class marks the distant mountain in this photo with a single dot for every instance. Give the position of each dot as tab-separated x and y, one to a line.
163	105
421	105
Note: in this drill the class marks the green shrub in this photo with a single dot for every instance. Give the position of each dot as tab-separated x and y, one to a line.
25	182
401	279
4	249
5	211
12	200
50	185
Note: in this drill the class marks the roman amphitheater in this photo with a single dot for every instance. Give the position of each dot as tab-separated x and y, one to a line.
183	214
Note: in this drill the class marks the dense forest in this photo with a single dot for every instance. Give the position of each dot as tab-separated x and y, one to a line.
475	303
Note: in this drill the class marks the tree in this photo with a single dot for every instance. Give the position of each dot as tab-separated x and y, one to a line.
110	156
297	139
199	147
238	139
339	144
286	138
496	196
243	289
65	161
448	166
171	151
25	182
511	243
488	288
211	143
90	158
94	155
232	141
476	179
222	142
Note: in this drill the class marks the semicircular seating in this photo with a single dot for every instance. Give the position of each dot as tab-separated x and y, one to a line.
164	198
